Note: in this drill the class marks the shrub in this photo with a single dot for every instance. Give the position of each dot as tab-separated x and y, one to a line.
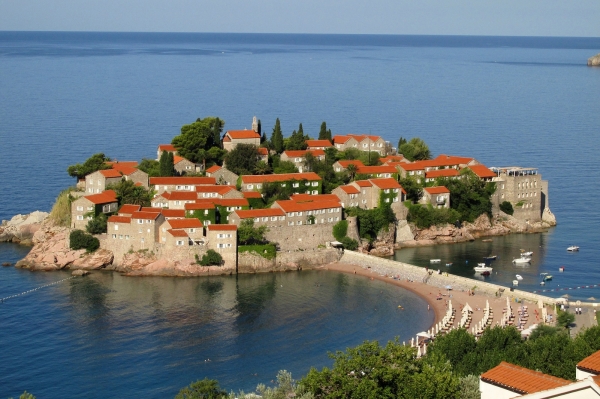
340	230
97	225
267	251
210	258
80	240
61	210
427	216
349	243
507	208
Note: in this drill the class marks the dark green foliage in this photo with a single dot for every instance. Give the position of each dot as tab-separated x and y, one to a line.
340	229
565	319
469	195
297	140
369	158
262	168
277	138
427	216
414	191
372	221
243	159
415	150
204	134
26	395
80	240
210	258
150	166
371	371
256	203
469	387
91	165
285	167
250	235
507	208
97	225
273	191
166	164
401	141
324	133
267	251
202	389
349	243
128	193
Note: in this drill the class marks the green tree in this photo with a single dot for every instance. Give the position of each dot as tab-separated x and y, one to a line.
297	140
351	169
26	395
98	224
249	235
150	166
128	193
92	164
202	389
470	196
203	134
324	133
401	141
167	164
414	191
210	258
80	240
285	167
277	138
415	150
507	208
565	319
262	168
469	387
340	230
243	159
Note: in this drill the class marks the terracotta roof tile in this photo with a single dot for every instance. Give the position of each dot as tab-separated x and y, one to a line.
110	173
172	181
199	205
302	153
232	202
293	206
255	213
521	380
263	151
222	227
213	169
437	190
128	209
151	209
177	159
214	189
319	143
167	147
119	219
591	363
145	215
184	223
313	198
103	197
252	194
345	162
312	176
412	166
118	165
363	183
434	174
173	213
177	233
385	183
392	158
242	134
349	189
482	171
369	170
183	196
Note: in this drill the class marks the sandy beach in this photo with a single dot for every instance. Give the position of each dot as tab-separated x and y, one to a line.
476	301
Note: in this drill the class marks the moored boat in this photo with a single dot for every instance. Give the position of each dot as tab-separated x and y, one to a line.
491	257
519	277
515	282
435	260
573	248
522	260
483	268
526	254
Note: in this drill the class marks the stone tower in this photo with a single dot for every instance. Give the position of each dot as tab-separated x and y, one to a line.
255	124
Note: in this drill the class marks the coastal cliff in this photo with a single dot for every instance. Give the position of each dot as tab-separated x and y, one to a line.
594	61
21	228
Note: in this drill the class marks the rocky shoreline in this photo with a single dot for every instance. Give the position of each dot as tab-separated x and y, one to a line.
594	61
51	250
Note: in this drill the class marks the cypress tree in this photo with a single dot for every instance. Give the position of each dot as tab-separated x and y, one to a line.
162	163
170	165
324	134
277	138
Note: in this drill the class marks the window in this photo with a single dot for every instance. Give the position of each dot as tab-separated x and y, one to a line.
364	201
298	159
250	186
273	218
315	184
259	186
387	200
395	190
337	218
283	184
179	242
296	185
298	213
79	217
206	211
148	221
395	199
116	227
299	222
257	219
127	236
192	230
330	219
114	236
364	191
178	188
365	145
265	219
80	208
290	223
90	208
387	190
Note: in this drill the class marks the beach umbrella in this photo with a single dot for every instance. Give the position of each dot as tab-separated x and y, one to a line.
424	349
468	308
578	303
419	352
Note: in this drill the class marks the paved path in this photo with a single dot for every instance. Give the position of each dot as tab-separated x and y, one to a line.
584	320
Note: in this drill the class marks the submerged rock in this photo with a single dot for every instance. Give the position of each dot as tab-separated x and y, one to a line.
79	273
594	61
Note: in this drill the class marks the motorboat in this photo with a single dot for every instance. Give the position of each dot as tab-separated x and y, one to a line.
435	260
573	248
546	276
483	268
448	264
561	269
515	282
542	283
491	257
519	277
522	260
481	264
526	254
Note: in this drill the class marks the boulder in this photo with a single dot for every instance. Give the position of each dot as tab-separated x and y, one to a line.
548	217
94	261
594	61
22	228
79	273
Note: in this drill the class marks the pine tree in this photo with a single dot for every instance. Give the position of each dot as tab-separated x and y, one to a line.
401	141
277	138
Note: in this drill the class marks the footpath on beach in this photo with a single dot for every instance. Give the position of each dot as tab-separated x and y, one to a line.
444	290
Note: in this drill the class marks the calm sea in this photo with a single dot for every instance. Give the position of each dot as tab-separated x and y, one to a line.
505	101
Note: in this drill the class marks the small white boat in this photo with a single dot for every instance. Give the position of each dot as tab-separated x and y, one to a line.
481	264
435	260
542	283
483	268
515	282
526	254
519	277
573	248
561	269
522	260
448	264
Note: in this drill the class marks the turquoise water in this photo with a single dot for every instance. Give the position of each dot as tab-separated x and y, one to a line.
506	101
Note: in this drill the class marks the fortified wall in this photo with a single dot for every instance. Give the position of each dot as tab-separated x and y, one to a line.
301	237
296	260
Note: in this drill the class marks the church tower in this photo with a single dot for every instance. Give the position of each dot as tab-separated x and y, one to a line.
255	124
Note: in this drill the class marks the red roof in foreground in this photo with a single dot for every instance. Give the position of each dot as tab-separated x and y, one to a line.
263	151
385	183
119	219
199	205
103	197
437	190
151	209
110	173
345	162
521	380
118	165
145	215
185	223
302	153
242	134
591	363
252	194
177	233
213	169
348	189
219	227
319	143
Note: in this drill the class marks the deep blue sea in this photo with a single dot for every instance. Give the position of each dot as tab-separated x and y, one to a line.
526	101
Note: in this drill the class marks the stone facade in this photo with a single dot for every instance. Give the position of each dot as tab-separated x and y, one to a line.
303	237
185	167
522	187
223	239
362	143
307	182
234	137
96	182
222	175
298	158
438	197
162	184
86	207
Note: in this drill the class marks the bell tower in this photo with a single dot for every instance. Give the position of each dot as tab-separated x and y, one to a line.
255	124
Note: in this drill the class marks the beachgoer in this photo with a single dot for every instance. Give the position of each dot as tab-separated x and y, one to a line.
428	308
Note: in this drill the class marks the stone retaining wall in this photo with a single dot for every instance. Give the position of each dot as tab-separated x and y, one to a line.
406	271
254	263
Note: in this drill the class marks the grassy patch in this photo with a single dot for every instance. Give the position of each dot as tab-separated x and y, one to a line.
61	210
267	251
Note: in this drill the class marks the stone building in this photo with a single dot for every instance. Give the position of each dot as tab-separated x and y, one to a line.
523	188
309	213
193	228
270	217
415	170
298	158
182	183
362	142
438	197
223	239
318	144
138	232
96	182
433	175
307	182
342	164
85	208
184	166
165	147
482	172
234	137
217	191
204	211
367	193
379	171
174	199
222	175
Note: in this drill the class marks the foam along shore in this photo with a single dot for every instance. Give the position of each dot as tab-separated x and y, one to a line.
433	286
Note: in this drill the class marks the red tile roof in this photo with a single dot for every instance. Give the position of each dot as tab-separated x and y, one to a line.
412	166
199	205
434	174
392	158
446	160
313	198
173	213
177	233
345	162
263	151
302	153
232	202
363	183
319	143
385	183
312	176
213	169
591	363
177	159
437	190
151	209
293	206
103	197
521	380
214	189
185	223
222	227
119	219
482	171
128	209
255	213
183	196
171	181
110	173
350	189
118	165
337	139
252	194
370	170
167	147
145	215
242	134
